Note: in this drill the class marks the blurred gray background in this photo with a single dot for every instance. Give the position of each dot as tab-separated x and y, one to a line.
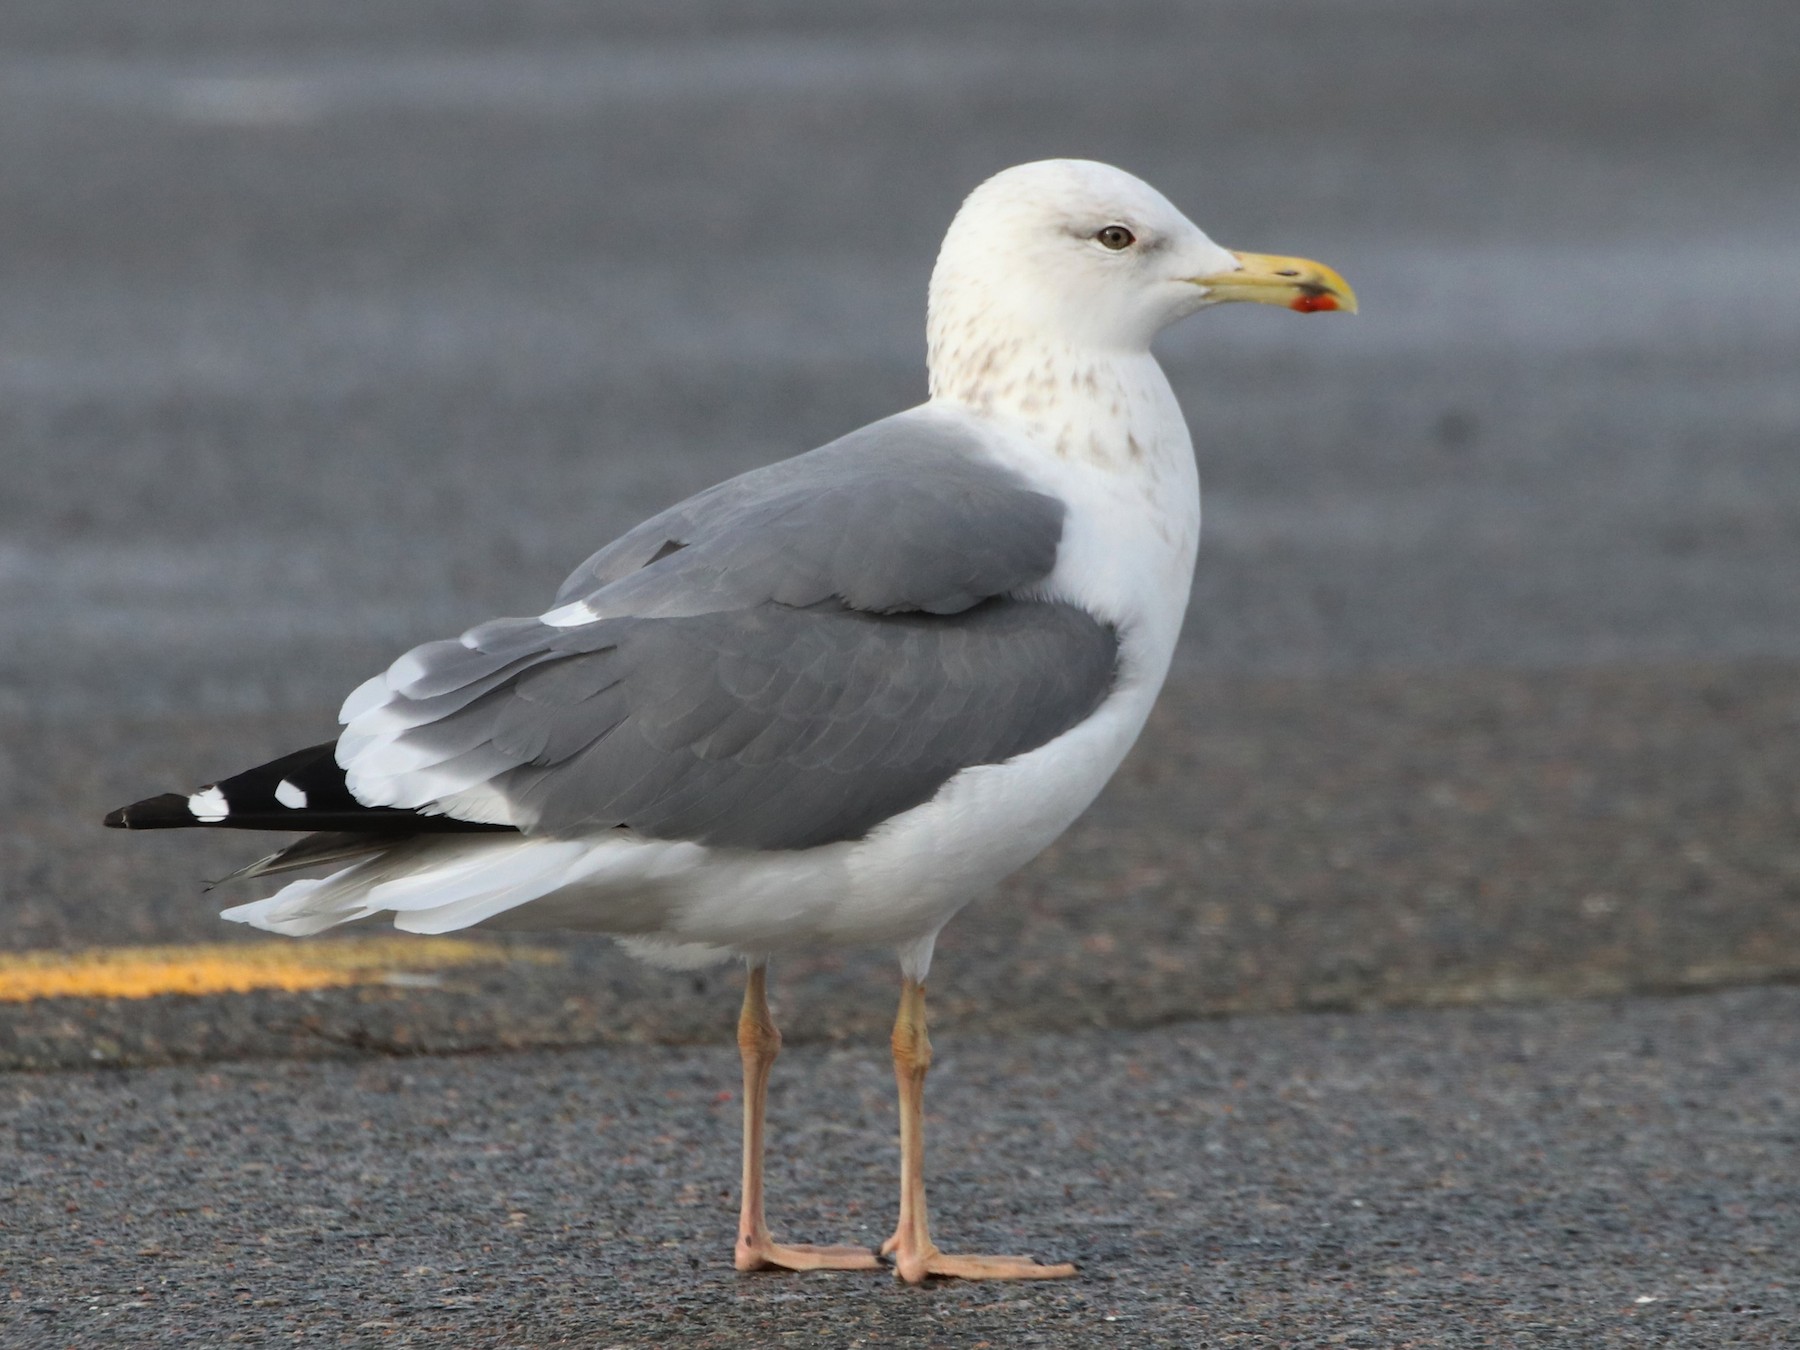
326	329
329	329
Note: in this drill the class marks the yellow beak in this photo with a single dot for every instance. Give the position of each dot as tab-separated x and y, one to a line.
1296	283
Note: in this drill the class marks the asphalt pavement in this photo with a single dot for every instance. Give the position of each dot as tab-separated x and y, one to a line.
1603	1173
1419	981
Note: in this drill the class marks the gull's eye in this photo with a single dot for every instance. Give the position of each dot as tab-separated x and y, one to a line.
1116	237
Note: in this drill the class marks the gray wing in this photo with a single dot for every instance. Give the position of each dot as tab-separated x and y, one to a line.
772	727
783	661
910	513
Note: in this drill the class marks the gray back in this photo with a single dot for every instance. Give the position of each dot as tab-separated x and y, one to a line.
782	661
904	514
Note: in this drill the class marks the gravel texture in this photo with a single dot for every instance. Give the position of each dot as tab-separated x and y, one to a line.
1580	1174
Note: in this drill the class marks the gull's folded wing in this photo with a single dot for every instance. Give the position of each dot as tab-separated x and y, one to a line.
783	661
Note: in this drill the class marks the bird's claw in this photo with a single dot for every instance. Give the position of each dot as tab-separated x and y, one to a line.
802	1256
917	1267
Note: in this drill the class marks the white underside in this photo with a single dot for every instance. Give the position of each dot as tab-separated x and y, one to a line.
1127	556
686	903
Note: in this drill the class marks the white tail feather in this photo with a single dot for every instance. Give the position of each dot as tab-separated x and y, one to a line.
301	908
436	884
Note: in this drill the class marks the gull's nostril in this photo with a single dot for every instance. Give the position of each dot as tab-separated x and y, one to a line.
1289	272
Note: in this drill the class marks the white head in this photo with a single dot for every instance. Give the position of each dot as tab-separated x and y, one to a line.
1085	257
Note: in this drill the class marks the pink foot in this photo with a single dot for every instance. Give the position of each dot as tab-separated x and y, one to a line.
915	1267
768	1255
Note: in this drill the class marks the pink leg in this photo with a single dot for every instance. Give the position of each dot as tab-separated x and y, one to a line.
759	1042
915	1254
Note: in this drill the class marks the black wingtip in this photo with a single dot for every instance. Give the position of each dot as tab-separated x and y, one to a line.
168	811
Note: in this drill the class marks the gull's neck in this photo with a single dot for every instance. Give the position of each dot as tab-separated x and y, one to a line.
1102	431
1109	408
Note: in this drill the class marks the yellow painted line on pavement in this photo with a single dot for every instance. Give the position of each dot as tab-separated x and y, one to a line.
240	967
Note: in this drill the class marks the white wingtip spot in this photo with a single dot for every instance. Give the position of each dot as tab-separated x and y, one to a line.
570	615
290	794
209	804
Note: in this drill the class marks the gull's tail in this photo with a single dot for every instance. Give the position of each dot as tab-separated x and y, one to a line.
434	873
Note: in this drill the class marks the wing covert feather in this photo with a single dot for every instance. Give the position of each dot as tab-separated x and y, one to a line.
782	661
848	719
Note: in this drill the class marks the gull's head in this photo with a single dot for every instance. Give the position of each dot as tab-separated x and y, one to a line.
1088	257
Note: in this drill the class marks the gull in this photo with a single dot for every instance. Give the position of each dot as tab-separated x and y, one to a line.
827	702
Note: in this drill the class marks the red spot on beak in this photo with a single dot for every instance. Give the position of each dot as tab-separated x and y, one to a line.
1312	304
